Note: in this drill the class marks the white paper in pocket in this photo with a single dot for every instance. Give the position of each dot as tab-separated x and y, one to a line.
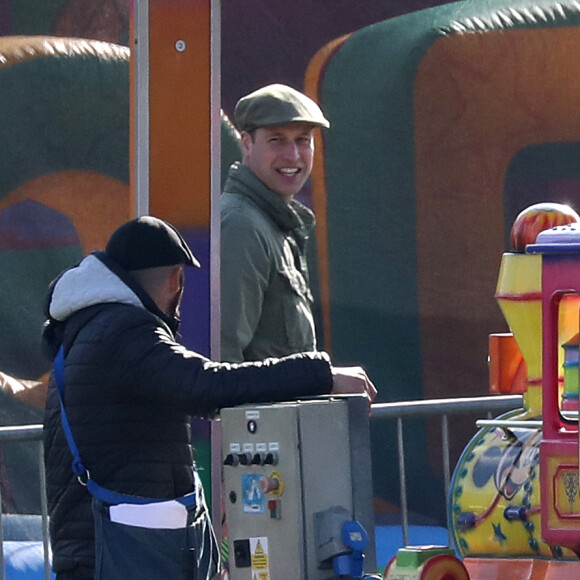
169	515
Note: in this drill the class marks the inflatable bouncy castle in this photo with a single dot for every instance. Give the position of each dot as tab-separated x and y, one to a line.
64	187
446	123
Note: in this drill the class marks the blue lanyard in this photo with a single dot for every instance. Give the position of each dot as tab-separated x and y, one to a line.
78	467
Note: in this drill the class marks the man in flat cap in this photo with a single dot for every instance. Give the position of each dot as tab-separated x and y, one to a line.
265	294
130	389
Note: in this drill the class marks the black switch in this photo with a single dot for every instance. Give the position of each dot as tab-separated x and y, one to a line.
231	459
242	557
258	459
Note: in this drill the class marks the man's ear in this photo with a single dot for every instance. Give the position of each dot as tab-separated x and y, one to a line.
246	142
175	279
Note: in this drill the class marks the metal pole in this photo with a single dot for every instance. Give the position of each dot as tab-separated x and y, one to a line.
19	434
2	570
44	512
215	218
402	481
509	424
446	470
430	407
141	143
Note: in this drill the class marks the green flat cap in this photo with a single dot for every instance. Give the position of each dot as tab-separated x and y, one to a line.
277	105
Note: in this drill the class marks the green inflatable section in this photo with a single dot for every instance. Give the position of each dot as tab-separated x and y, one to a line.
59	112
367	91
64	112
22	315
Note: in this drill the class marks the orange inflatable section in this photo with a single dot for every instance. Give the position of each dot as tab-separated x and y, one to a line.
474	110
312	82
97	204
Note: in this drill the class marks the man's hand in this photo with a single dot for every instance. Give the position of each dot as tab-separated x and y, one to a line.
352	380
32	393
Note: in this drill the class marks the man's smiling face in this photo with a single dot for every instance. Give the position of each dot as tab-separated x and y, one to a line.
281	157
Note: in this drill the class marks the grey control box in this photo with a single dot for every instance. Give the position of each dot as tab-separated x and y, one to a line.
285	465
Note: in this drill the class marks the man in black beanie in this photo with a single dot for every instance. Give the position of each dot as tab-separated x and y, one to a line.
130	388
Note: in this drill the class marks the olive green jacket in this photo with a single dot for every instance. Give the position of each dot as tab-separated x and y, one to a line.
265	297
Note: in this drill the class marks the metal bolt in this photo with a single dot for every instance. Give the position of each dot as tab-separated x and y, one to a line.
180	46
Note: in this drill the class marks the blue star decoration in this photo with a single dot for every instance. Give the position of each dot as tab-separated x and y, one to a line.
498	535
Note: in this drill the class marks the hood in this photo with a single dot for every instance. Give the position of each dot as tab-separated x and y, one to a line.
97	280
91	282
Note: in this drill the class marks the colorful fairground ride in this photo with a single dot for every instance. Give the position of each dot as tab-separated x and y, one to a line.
514	503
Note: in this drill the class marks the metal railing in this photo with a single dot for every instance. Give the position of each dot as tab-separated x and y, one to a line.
380	411
13	436
433	408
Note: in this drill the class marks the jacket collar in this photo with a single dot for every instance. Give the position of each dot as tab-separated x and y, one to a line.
96	280
287	216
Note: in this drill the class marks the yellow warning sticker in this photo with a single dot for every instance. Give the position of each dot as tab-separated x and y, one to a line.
259	558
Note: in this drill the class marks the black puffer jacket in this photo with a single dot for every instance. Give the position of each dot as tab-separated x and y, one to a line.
129	392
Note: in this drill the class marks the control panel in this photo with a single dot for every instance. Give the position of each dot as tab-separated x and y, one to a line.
297	475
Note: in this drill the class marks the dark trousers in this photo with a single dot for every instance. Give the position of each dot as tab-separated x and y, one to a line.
71	576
